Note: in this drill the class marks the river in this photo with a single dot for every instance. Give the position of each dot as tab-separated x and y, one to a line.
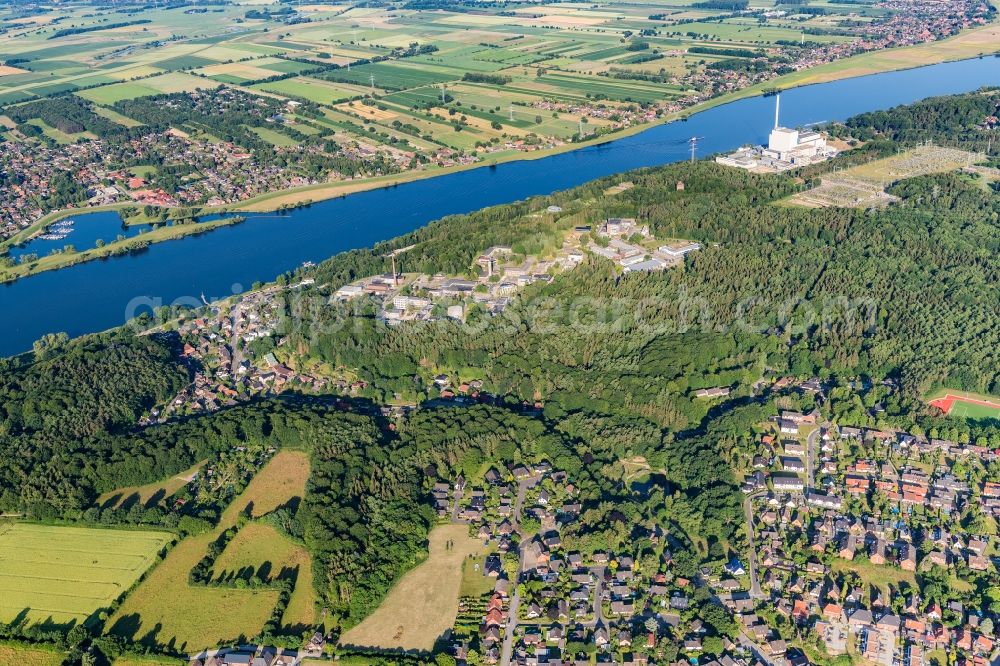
101	294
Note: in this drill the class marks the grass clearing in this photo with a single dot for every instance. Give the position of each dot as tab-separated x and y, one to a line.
65	574
192	617
474	582
874	575
274	137
423	604
29	656
261	550
136	660
149	494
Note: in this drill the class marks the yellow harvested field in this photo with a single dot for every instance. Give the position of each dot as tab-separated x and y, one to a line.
566	21
243	70
370	112
149	494
424	603
190	616
223	53
127	73
6	70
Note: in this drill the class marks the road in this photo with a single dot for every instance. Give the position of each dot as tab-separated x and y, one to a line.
598	573
757	651
522	488
507	652
755	591
508	639
455	506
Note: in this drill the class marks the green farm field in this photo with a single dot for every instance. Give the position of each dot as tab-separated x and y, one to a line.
65	574
314	90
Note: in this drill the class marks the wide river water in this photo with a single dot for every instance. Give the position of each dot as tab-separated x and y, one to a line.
100	294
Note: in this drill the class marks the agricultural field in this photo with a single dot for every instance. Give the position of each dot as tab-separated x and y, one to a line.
595	61
65	574
424	603
189	617
314	90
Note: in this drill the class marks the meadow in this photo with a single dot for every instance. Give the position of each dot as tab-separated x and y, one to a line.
149	494
423	603
29	656
189	617
65	574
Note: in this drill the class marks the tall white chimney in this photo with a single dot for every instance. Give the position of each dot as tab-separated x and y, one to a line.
777	108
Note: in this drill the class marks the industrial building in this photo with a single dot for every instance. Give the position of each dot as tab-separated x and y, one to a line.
786	149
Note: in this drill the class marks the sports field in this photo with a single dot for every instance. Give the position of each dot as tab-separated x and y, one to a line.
967	405
424	603
65	574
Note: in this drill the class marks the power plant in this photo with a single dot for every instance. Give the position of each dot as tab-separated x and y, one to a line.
786	149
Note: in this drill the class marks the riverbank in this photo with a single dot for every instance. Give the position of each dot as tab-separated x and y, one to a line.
125	246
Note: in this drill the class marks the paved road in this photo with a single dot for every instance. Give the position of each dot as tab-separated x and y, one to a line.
454	507
522	488
757	651
508	640
598	573
755	591
507	652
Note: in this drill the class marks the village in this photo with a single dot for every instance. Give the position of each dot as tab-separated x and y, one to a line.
840	521
233	347
260	655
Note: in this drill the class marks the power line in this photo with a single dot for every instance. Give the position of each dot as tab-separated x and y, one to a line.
694	145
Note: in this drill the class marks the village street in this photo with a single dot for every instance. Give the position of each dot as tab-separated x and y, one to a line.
755	592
